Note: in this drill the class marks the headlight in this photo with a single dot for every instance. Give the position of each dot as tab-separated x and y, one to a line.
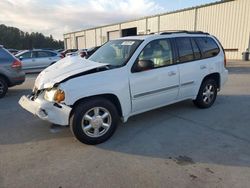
54	95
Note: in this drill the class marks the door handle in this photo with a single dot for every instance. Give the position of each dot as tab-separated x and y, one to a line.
171	73
203	67
33	60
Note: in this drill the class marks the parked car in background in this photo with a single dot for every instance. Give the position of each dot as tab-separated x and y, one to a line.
13	51
125	77
82	52
60	50
11	73
48	49
36	60
68	51
72	54
90	51
86	53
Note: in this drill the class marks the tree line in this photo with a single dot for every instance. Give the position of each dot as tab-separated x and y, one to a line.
11	37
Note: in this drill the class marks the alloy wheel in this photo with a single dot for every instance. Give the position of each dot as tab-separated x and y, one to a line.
96	122
208	93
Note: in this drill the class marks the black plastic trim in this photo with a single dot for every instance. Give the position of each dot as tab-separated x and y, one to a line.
155	91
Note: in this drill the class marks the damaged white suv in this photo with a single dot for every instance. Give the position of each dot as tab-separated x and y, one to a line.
125	77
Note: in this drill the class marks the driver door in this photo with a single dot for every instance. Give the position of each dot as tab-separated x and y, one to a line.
158	85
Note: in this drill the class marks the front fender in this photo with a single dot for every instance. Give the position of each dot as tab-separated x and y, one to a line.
99	84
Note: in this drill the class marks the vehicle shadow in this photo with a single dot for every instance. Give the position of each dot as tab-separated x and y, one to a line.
218	135
181	132
239	69
19	126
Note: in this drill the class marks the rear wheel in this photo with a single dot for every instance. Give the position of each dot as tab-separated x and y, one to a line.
3	87
207	94
94	121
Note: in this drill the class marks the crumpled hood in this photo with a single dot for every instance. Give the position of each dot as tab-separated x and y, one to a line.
63	69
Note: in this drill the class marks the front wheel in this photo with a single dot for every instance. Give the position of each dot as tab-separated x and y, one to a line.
207	94
94	121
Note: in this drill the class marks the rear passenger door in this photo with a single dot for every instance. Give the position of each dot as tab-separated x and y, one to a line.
44	59
191	66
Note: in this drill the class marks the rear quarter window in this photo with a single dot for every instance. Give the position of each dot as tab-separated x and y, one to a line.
4	54
52	54
208	46
41	54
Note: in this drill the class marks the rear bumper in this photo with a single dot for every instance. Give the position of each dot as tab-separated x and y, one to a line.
49	111
17	79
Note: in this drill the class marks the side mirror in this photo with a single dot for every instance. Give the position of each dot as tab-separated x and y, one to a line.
143	65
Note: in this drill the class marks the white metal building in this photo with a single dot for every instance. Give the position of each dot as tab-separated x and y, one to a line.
228	20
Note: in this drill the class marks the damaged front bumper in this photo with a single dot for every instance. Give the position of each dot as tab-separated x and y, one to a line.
49	111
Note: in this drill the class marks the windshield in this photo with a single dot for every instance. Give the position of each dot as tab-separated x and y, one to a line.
115	53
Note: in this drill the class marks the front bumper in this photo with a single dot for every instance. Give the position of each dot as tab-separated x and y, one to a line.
49	111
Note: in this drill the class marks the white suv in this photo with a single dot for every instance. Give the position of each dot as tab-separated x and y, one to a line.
125	77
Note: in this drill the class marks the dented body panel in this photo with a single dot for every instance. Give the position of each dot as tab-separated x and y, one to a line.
63	69
57	114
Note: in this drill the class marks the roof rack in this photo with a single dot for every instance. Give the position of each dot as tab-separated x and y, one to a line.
183	31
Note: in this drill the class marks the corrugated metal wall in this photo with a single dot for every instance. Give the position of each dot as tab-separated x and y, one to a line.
90	38
178	21
229	21
140	24
80	42
113	35
152	25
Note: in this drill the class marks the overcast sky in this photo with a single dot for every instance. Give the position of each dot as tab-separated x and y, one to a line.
61	16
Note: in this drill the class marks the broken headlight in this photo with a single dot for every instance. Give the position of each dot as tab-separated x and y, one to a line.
54	95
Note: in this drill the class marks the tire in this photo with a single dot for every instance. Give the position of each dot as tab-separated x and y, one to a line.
3	87
88	119
207	94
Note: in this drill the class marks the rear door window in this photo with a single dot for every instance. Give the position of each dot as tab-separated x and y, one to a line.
196	50
208	46
185	49
26	55
52	54
41	54
4	54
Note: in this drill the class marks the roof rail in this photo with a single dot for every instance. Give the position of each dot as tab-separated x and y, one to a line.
183	31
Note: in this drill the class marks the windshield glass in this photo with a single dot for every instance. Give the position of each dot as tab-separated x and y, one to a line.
115	53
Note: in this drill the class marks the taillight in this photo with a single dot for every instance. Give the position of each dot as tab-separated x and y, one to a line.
16	64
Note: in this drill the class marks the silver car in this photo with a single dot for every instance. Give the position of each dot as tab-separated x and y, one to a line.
11	73
36	60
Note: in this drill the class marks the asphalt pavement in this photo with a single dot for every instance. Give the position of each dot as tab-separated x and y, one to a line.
175	146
